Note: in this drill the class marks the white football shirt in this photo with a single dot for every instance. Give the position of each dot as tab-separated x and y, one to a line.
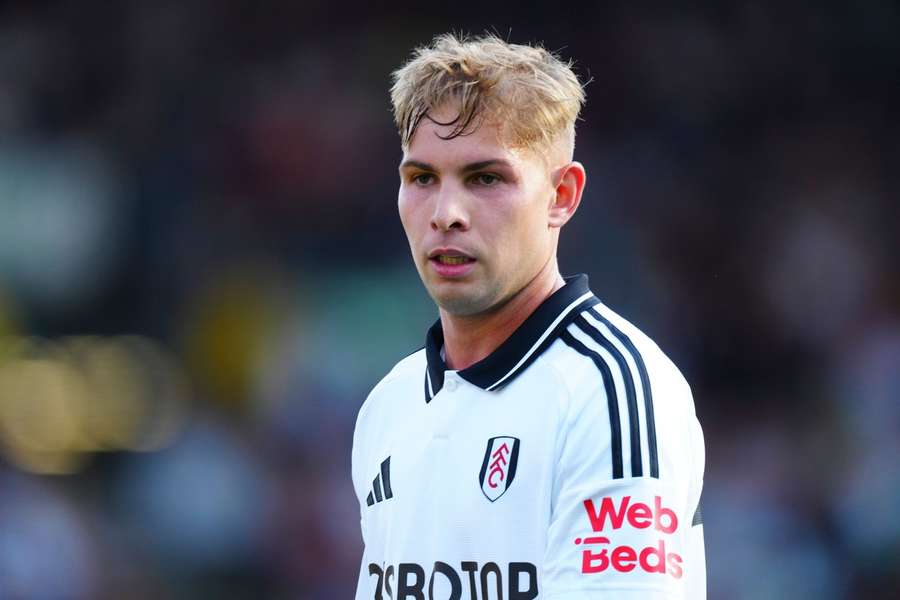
567	465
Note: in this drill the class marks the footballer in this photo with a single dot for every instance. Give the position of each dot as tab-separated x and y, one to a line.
539	445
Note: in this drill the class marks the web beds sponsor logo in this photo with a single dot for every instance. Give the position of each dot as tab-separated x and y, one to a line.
408	581
630	517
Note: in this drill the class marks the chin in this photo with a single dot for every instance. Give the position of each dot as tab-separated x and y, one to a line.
464	301
456	301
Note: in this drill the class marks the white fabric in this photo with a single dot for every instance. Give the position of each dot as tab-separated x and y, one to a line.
445	536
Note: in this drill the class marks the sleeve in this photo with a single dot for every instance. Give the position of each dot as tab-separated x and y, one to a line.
367	586
695	579
627	537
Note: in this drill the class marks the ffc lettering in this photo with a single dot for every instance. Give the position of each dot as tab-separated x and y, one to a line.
499	457
610	518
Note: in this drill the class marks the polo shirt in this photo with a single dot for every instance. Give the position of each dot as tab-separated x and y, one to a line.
566	465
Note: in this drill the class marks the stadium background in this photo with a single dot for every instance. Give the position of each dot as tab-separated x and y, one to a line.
202	274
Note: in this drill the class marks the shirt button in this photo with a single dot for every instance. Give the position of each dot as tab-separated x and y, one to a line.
451	385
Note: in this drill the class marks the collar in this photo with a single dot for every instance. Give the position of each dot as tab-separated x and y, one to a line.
520	349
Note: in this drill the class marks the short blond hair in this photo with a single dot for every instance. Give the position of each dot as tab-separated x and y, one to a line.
530	92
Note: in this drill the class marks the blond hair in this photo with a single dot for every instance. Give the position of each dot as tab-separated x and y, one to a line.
531	93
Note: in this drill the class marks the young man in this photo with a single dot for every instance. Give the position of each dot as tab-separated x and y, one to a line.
539	445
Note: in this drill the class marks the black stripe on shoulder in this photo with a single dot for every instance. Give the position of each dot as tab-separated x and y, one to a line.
645	382
698	516
615	427
427	387
633	417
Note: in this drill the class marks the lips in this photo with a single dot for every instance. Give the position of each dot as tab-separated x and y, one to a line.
450	256
450	262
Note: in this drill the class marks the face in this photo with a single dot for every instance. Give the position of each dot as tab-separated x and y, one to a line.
477	215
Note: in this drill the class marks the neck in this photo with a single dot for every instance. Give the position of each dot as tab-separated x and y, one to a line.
469	339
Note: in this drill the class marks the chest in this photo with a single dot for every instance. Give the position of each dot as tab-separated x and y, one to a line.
472	469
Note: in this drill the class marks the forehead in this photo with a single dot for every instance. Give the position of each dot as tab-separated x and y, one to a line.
430	144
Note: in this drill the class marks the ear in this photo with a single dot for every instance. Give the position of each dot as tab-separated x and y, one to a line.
570	181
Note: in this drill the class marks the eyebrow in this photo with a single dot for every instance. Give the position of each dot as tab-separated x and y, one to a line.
475	166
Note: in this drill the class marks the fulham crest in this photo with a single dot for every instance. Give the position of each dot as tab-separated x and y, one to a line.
499	466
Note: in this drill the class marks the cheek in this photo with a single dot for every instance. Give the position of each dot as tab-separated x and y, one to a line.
404	207
529	214
527	228
410	216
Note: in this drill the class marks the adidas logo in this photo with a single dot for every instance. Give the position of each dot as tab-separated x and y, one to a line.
383	478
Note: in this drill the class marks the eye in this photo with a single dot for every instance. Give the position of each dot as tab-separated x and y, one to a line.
423	178
486	179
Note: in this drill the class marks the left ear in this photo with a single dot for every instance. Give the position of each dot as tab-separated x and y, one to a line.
570	181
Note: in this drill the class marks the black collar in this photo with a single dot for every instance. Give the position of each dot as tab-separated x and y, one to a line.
520	349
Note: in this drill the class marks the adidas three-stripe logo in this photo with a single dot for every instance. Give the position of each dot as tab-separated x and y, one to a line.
624	374
383	478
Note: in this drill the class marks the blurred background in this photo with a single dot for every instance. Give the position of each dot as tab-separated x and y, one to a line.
202	274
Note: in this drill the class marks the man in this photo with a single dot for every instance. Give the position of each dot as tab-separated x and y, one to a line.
539	445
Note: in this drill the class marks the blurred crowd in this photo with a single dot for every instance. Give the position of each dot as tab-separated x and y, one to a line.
202	274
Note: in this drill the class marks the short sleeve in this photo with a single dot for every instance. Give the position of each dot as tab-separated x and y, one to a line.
365	588
366	584
626	536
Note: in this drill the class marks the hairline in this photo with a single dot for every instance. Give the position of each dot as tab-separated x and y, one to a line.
543	149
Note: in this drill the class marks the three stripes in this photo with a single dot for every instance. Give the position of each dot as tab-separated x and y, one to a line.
616	345
383	477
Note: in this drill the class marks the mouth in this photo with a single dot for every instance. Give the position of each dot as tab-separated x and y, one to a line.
450	262
446	259
449	256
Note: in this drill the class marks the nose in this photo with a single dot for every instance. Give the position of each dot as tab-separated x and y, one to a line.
449	211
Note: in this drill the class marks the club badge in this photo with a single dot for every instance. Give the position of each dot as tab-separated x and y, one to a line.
499	466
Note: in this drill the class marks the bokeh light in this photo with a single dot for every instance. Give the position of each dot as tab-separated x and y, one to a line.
202	275
61	401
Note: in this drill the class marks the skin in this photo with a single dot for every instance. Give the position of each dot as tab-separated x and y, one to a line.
498	204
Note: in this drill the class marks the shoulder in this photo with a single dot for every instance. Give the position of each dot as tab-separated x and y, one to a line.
601	343
619	381
672	391
407	376
403	383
